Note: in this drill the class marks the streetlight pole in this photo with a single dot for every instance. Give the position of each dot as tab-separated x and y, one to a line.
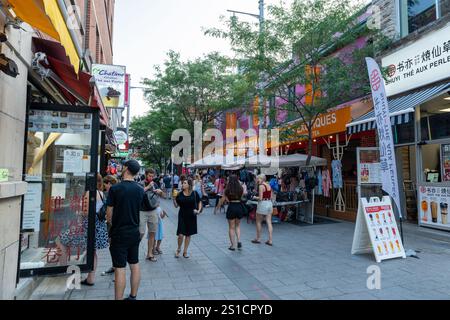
261	17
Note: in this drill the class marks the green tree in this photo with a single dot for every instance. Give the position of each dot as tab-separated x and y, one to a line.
297	47
196	90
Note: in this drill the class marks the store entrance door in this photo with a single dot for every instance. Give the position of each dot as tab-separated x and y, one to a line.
58	211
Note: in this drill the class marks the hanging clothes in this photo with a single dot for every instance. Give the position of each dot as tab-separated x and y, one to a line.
337	174
326	183
319	189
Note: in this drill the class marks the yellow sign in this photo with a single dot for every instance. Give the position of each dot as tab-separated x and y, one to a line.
328	123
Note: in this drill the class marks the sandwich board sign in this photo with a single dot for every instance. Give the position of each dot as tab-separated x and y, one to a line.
377	231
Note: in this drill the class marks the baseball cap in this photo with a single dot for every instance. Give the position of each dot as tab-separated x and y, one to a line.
133	166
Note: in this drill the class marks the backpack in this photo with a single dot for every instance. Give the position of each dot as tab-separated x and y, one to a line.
101	214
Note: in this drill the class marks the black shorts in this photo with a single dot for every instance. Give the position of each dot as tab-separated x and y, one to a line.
124	249
236	211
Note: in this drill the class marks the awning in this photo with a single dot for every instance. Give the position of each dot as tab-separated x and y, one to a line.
33	12
401	109
75	88
45	15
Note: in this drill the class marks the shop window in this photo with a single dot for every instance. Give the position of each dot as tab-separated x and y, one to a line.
416	14
444	7
431	160
440	126
404	133
425	129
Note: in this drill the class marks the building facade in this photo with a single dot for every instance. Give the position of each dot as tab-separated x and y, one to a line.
86	38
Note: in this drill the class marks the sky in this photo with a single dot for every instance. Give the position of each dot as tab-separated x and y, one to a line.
145	30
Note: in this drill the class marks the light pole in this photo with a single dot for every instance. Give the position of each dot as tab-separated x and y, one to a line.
261	18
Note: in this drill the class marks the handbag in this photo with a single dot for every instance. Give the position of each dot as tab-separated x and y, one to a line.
101	214
152	200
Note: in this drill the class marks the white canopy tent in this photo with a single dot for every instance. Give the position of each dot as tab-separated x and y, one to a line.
293	160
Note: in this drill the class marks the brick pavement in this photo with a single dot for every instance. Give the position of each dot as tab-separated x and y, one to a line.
306	262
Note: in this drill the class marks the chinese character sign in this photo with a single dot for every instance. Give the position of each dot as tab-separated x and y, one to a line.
387	150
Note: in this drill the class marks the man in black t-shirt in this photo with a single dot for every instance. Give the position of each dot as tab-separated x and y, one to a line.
124	203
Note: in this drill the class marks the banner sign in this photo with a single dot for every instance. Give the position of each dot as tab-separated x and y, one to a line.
377	231
110	81
388	163
425	61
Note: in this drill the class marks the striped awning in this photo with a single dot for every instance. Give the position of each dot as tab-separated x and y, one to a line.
401	109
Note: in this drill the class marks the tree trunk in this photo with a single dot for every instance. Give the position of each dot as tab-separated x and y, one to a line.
310	143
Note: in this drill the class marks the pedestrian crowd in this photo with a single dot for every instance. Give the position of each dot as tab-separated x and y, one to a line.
128	208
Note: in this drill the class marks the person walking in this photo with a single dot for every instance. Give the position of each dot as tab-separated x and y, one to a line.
264	209
149	214
176	181
168	186
236	210
108	182
190	207
219	186
124	203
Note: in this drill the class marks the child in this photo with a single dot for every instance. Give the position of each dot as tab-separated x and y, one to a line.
159	234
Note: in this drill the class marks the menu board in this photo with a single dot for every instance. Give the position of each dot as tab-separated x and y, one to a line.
370	173
445	162
377	230
369	166
433	206
59	122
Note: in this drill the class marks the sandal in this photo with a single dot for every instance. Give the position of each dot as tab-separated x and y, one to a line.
185	255
86	283
269	244
256	241
158	251
152	259
177	254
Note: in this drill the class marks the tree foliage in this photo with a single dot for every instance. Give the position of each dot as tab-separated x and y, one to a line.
300	45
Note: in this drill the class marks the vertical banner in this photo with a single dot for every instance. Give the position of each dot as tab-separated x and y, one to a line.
385	136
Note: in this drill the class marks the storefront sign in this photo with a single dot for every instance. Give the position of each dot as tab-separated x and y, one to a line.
59	122
445	162
328	123
110	81
433	206
423	62
377	230
4	174
121	137
32	207
388	165
73	161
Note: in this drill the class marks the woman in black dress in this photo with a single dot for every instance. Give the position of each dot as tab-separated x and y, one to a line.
190	206
235	212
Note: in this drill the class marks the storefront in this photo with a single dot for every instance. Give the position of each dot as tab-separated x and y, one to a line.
64	148
418	85
332	142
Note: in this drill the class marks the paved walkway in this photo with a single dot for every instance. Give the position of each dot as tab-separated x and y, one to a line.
306	262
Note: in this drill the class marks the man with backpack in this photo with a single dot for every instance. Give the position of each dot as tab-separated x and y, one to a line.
149	212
